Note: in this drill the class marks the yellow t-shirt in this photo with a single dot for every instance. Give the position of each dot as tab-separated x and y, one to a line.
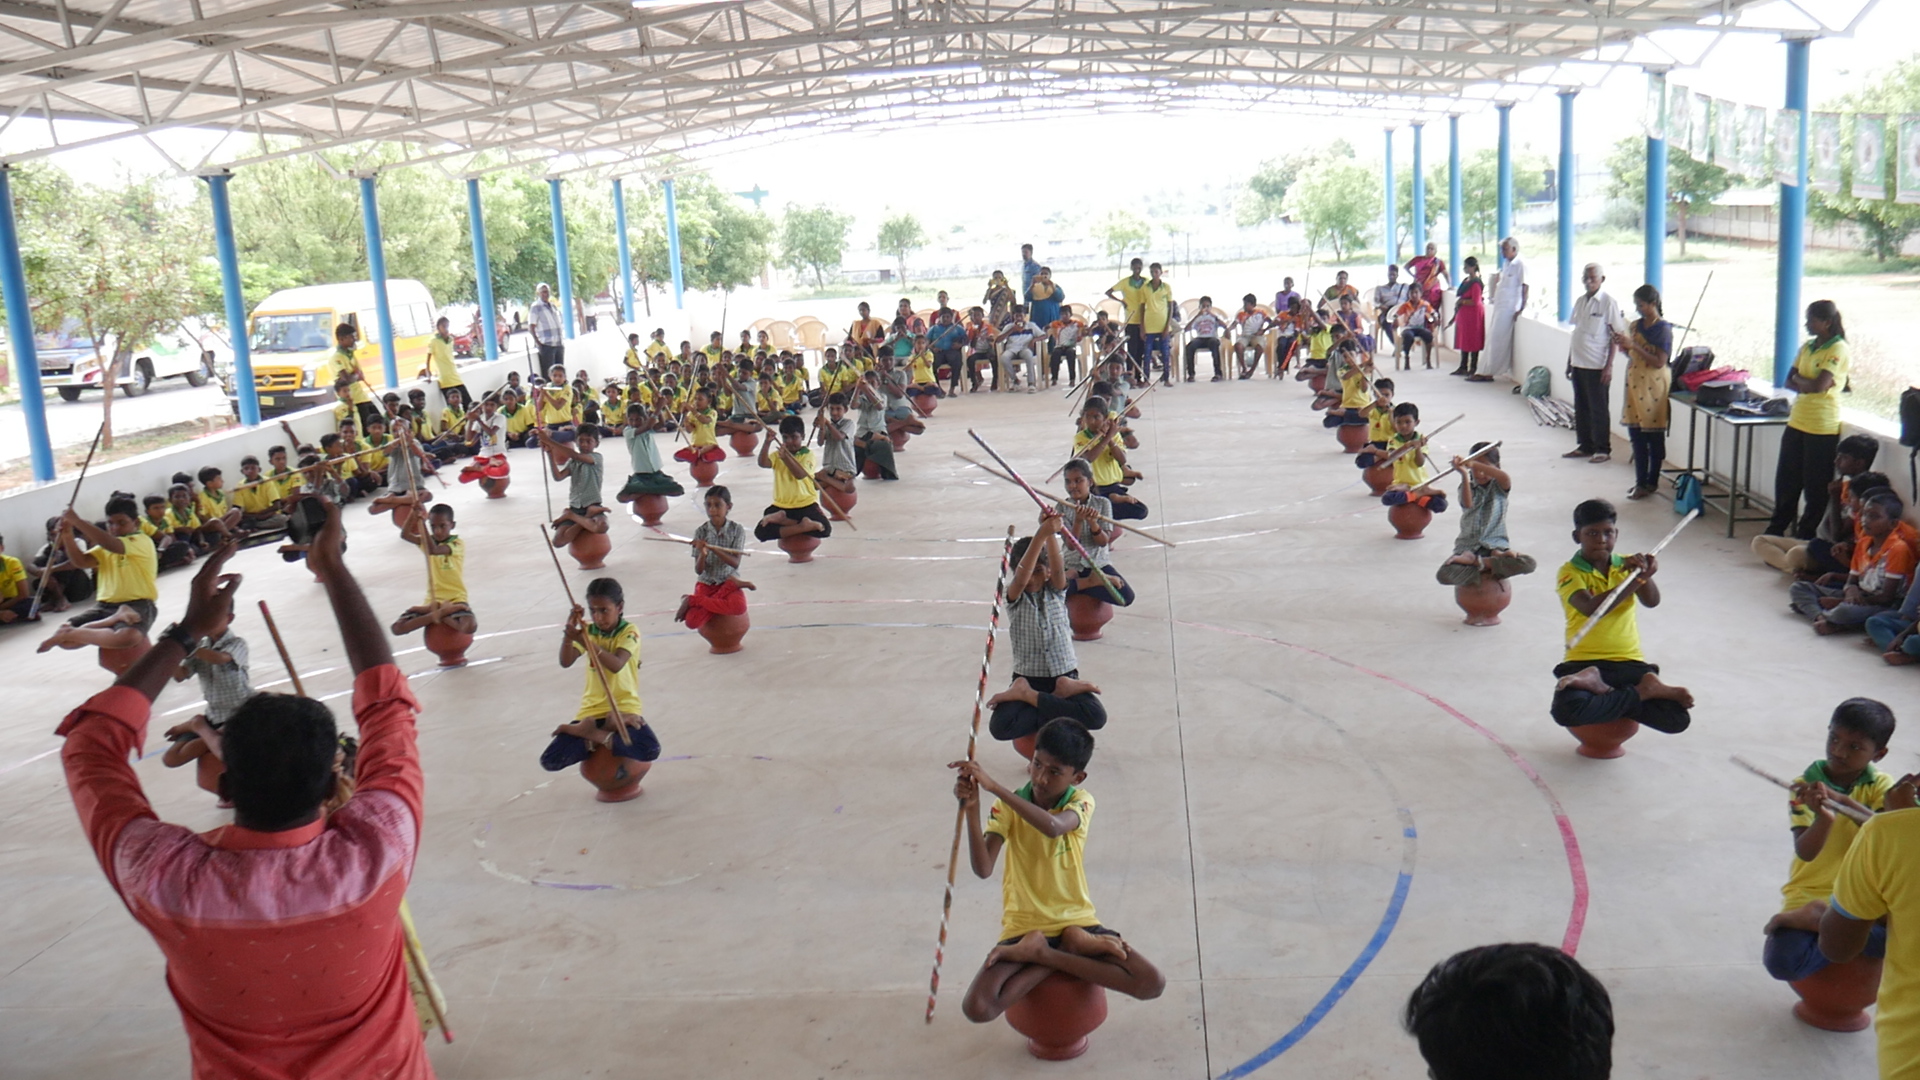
440	355
658	352
1876	879
1356	390
377	461
556	405
151	526
13	577
626	680
128	575
922	369
790	491
1131	295
342	362
1156	301
260	498
632	359
210	505
519	420
1318	343
1617	636
1810	881
1410	470
792	385
1044	887
1379	424
1105	469
700	430
1819	414
839	380
446	574
188	521
453	421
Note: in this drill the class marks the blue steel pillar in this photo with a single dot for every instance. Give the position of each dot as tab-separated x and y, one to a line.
1503	213
1391	248
230	290
377	273
626	255
1419	193
1654	213
1453	201
482	269
1565	185
1793	224
26	361
562	265
673	247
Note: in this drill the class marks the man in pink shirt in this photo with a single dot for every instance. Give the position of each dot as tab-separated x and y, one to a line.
281	931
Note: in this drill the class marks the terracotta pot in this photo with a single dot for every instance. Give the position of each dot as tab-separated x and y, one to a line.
799	548
401	515
703	472
1409	521
119	660
1484	600
1379	478
1352	437
495	486
1024	746
590	549
1836	997
745	443
870	470
650	508
846	500
723	633
1087	613
448	644
1317	381
1058	1015
899	439
1602	741
617	778
928	403
207	772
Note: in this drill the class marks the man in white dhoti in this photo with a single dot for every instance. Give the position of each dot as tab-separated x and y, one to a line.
1509	300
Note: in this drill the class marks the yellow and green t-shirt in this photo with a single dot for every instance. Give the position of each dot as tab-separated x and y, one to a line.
1379	424
700	428
1132	294
556	405
440	354
1411	468
626	680
131	574
1810	881
1819	413
1044	887
342	362
791	492
1105	469
258	498
446	574
1356	390
1617	635
1878	878
1156	307
13	577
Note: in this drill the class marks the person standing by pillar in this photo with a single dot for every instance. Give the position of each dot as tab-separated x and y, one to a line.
1509	300
1596	321
544	320
1812	435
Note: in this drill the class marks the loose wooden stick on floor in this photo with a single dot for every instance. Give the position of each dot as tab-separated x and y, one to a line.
973	743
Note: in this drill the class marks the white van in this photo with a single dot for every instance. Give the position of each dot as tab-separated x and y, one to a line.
71	364
290	335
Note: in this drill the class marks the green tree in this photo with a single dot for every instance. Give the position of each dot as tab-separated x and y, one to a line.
1271	181
723	243
813	238
901	235
1436	201
1692	184
1123	231
1337	201
1883	223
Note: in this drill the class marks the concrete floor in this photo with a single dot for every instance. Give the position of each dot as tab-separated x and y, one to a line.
1316	783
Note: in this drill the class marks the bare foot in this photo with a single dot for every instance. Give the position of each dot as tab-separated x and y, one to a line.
1019	691
56	641
680	613
1031	949
1066	687
744	583
1588	679
582	729
1824	628
1099	946
1652	689
1897	659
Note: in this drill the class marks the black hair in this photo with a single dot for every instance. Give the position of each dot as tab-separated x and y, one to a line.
1593	512
182	478
343	330
719	491
1094	402
837	399
1080	467
792	425
1067	741
606	588
1647	294
1512	1012
249	460
208	472
1860	448
331	438
1865	716
1407	408
1207	300
279	752
1018	552
1471	261
1888	501
176	489
1383	384
1250	299
309	461
1103	388
1862	484
1491	457
272	450
441	508
152	499
1828	312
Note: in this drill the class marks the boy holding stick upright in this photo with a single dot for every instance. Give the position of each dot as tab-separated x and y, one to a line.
796	497
1046	670
717	582
608	737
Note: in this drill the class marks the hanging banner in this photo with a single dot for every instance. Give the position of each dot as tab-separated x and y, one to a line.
1679	115
1753	143
1786	147
1654	118
1728	124
1700	127
1869	157
1823	152
1907	171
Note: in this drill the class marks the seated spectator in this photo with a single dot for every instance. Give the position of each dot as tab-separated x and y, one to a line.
1851	460
1882	565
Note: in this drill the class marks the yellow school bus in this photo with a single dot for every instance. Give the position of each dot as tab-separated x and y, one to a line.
290	336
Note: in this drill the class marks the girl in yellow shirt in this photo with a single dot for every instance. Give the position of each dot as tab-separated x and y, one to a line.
608	738
698	424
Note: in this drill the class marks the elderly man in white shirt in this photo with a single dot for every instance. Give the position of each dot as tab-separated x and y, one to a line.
543	318
1596	319
1510	295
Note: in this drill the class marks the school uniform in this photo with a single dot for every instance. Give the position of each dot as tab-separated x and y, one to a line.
1080	577
1108	480
1044	885
1792	955
795	495
640	743
1613	646
716	585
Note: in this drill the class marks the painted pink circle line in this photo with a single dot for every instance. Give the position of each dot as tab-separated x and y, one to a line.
1576	865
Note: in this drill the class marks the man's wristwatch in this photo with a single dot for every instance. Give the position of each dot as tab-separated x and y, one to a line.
180	636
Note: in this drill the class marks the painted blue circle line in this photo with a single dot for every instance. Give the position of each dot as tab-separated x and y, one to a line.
1354	970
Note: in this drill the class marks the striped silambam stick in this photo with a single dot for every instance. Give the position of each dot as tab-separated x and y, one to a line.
973	741
1045	507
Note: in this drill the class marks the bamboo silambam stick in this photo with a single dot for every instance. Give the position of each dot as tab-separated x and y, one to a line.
1858	815
669	538
1614	594
1424	441
1451	469
1066	534
40	591
285	658
991	471
606	683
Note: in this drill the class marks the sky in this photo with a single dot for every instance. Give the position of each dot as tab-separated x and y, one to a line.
1207	146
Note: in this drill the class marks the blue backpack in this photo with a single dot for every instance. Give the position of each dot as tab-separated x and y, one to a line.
1688	495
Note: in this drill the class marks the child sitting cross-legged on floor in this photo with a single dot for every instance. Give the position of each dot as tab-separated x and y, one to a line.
1882	565
1047	921
1857	736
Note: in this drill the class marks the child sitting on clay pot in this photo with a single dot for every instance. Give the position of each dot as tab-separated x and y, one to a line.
1407	450
717	582
1482	548
1046	670
1047	922
446	600
611	646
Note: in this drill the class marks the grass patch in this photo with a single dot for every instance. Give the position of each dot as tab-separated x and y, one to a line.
68	459
1856	263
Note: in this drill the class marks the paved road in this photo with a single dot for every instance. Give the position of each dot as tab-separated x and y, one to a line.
70	423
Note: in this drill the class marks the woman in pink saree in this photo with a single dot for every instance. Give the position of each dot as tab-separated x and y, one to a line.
1429	274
